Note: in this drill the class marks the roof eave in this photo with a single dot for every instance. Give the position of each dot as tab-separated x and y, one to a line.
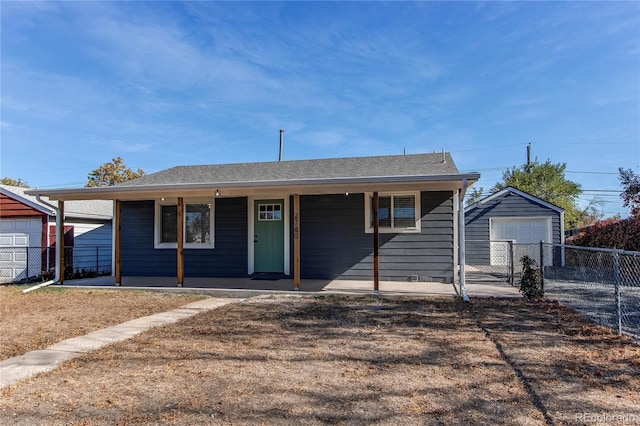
115	192
33	204
522	194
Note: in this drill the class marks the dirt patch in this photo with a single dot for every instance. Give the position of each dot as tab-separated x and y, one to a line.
47	316
340	360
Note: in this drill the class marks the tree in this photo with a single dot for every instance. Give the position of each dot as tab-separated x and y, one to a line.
474	195
631	190
593	212
112	173
547	182
13	182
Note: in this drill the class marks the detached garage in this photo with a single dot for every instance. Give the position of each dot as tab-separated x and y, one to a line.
16	235
509	216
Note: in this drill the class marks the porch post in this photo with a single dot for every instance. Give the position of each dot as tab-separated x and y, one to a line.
60	242
462	241
44	243
180	241
376	243
118	242
296	241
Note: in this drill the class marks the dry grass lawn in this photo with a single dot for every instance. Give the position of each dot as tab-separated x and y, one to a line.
343	360
49	315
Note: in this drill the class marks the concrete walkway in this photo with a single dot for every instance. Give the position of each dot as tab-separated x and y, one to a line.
21	367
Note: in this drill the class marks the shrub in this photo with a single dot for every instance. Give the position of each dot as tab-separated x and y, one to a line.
531	281
620	234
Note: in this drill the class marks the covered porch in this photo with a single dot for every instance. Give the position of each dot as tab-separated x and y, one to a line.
352	221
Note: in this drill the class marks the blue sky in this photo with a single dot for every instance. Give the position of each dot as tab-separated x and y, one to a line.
170	83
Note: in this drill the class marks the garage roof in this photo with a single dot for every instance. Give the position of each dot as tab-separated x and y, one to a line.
512	190
84	209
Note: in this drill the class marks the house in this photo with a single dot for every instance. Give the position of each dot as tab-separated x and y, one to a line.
497	225
28	235
303	219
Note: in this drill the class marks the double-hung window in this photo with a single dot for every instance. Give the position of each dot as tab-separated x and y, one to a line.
197	224
396	212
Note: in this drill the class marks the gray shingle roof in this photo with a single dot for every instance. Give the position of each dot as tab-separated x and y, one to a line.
278	171
314	176
89	209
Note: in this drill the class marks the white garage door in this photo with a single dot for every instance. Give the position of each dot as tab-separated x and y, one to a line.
519	231
17	261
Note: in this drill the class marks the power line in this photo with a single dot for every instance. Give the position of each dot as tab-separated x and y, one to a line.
584	172
61	185
49	170
591	173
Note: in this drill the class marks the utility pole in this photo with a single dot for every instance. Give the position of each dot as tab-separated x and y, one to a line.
529	155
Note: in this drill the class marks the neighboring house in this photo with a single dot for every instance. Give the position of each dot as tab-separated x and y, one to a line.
509	216
309	219
28	234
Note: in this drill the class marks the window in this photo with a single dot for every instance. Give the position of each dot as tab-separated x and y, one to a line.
169	224
269	212
197	225
396	212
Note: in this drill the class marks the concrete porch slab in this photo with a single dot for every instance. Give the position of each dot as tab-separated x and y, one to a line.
246	287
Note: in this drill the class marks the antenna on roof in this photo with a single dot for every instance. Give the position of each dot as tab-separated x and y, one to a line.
281	144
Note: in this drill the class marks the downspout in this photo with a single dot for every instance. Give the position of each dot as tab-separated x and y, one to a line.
59	235
562	239
461	240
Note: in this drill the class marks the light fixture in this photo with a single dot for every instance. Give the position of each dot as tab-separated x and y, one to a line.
162	199
217	192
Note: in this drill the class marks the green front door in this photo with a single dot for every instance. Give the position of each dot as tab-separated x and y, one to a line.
268	239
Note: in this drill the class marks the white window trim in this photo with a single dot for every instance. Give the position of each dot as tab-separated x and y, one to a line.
173	202
386	230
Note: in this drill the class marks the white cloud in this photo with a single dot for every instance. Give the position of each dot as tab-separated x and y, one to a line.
320	138
124	146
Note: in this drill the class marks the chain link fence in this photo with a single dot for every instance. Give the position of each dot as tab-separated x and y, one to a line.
30	264
489	261
601	284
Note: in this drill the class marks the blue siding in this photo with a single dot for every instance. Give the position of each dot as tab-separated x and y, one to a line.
511	206
334	243
92	246
332	237
227	259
